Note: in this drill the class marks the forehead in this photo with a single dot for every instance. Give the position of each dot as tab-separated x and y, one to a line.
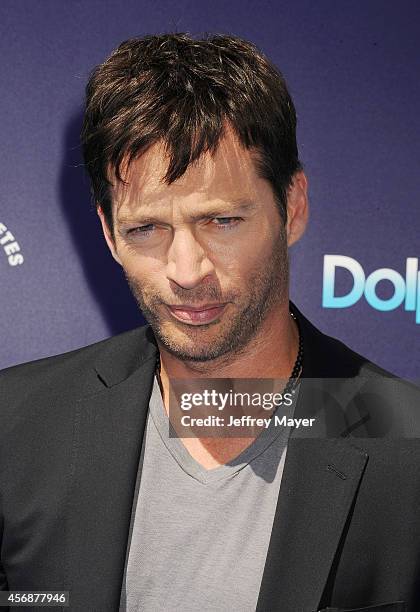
227	175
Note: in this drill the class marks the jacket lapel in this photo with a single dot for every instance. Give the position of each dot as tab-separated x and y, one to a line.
109	428
319	485
322	473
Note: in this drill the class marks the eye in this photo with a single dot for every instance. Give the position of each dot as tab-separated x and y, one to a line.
226	222
142	230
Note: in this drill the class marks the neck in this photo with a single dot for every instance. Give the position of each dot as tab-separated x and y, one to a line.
271	353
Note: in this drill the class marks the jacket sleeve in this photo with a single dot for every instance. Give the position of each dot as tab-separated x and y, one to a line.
3	579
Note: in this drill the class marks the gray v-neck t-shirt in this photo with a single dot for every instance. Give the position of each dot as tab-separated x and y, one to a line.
199	538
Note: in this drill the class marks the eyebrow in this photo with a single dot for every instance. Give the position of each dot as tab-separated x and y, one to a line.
235	206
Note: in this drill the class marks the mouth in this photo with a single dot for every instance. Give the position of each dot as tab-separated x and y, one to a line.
197	315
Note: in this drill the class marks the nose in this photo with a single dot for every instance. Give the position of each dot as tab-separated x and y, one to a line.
188	263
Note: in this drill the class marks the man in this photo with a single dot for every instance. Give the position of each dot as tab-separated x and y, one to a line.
191	149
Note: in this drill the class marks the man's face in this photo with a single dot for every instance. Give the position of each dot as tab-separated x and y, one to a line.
205	257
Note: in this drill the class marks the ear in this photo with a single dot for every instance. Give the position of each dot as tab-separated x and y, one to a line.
107	234
297	208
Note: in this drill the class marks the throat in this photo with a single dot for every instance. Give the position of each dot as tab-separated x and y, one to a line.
211	453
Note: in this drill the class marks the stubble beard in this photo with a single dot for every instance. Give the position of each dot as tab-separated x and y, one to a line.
267	287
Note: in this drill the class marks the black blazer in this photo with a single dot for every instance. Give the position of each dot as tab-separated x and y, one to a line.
346	533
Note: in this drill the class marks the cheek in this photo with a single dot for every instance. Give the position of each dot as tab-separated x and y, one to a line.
251	243
145	270
241	253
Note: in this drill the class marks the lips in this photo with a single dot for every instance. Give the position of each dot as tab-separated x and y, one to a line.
197	315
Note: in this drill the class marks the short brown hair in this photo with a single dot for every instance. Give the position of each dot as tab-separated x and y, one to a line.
182	91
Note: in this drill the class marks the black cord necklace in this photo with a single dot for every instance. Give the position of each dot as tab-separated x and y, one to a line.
297	370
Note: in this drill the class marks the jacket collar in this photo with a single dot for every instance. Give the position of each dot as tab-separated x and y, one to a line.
124	354
324	356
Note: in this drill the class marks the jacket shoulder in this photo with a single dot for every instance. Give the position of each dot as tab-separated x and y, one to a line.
390	405
75	371
328	357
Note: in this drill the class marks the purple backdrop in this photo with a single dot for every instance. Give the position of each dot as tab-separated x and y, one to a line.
353	70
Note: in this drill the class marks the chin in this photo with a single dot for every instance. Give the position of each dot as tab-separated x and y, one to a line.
192	342
191	352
